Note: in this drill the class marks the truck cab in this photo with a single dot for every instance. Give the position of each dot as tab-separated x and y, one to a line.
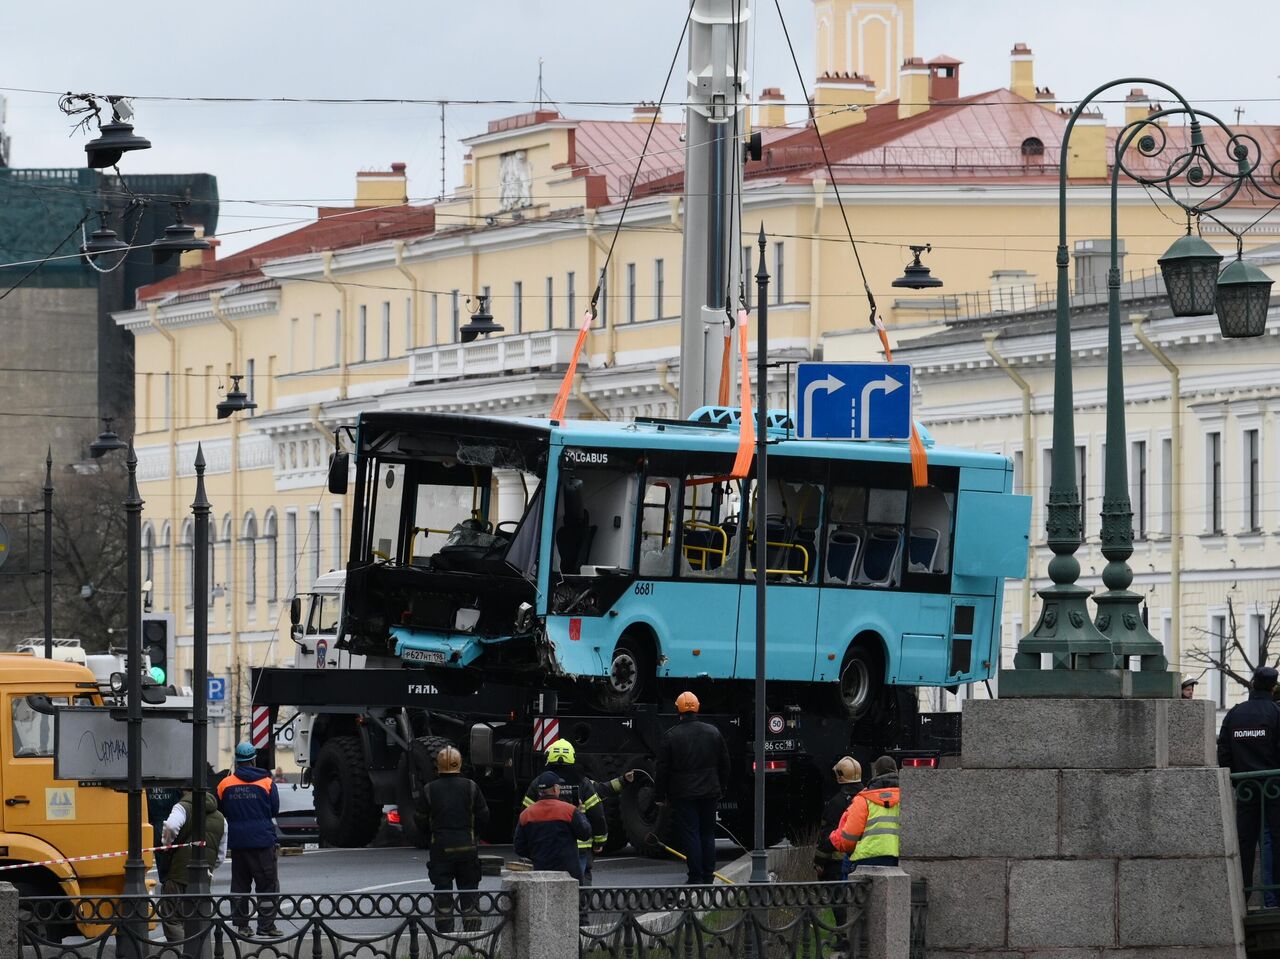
315	618
45	818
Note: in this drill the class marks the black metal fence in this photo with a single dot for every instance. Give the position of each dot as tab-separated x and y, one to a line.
388	926
792	920
1257	797
919	913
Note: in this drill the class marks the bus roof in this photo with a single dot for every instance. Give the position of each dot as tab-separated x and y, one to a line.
668	434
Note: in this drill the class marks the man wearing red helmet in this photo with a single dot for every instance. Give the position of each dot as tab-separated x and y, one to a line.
693	766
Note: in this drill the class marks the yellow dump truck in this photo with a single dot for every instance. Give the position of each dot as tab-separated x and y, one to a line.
48	821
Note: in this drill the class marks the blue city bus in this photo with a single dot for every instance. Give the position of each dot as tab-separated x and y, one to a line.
618	558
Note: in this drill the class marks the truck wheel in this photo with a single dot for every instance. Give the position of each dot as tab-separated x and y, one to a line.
861	681
345	810
630	674
417	768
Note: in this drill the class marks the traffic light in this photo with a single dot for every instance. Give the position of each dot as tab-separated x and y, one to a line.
158	645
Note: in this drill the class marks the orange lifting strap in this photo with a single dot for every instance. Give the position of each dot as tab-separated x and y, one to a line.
746	420
566	385
919	458
723	399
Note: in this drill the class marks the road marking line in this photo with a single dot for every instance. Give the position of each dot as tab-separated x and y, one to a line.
388	885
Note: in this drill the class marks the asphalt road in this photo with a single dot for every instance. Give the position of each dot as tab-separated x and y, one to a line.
404	869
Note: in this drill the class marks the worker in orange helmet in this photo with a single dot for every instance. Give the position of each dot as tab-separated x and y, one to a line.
693	768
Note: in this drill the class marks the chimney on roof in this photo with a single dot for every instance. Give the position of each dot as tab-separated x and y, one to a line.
1045	97
197	258
644	112
842	100
382	187
944	78
468	170
913	88
1088	158
771	110
1136	105
1022	78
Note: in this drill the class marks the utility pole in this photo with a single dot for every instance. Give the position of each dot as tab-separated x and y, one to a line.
712	216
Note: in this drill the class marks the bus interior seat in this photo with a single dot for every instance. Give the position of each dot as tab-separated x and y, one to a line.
702	546
923	550
842	554
880	557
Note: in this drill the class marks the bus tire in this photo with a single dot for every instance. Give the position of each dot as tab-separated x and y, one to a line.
346	813
861	680
416	769
631	672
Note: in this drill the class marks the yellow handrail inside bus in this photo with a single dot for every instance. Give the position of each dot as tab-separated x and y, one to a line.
804	555
705	552
413	535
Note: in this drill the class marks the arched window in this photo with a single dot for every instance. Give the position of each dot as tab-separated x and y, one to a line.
188	562
1033	147
273	558
164	583
229	564
249	540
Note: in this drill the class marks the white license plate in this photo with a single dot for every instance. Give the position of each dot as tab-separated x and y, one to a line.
423	656
780	745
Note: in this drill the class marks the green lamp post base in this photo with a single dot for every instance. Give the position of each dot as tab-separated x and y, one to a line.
1120	620
1084	664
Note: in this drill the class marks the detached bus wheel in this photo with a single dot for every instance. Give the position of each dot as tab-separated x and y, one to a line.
861	680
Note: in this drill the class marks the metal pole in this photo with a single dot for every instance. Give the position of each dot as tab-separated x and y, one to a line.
48	554
759	855
135	870
198	881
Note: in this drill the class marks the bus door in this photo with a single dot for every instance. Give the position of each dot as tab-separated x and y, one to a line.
791	519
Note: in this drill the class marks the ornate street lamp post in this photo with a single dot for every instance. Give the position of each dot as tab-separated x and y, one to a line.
1090	658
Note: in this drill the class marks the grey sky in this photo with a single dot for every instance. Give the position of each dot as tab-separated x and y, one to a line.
490	48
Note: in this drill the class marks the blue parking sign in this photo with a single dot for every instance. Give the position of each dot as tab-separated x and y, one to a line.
853	401
217	689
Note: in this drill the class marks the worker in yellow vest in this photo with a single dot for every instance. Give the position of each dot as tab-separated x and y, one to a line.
868	830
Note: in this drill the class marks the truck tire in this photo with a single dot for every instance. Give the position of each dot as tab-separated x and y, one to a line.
861	681
417	768
346	813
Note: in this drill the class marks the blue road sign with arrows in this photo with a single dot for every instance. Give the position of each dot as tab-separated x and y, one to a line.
853	401
217	689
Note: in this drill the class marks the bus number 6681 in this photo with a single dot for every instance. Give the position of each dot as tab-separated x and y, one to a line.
644	589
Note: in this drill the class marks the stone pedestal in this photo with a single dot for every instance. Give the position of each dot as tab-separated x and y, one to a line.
1078	828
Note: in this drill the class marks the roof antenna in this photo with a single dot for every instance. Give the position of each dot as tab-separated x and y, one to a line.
538	96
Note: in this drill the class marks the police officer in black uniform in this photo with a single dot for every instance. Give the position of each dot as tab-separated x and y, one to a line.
1250	742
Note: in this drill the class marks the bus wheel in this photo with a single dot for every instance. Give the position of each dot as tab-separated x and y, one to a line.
861	680
629	673
343	793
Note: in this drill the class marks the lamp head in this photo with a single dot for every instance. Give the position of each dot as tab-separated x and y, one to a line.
480	324
916	275
236	400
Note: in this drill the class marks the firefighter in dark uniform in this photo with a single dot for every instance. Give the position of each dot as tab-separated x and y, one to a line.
452	811
578	789
1250	742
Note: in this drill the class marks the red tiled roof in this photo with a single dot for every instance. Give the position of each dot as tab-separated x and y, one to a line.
613	148
335	228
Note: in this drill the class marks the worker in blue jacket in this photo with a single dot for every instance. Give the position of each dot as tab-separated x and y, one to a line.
548	832
249	801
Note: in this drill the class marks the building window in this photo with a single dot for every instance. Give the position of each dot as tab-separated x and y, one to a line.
1252	485
1019	472
659	282
335	560
779	274
250	376
453	316
386	329
748	277
571	298
337	337
631	292
1082	489
517	307
362	346
1166	486
1033	147
1218	639
1213	482
273	556
551	303
249	542
604	299
410	340
293	345
291	549
1138	487
313	542
315	338
1257	626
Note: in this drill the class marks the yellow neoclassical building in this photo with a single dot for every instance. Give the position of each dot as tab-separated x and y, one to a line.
362	309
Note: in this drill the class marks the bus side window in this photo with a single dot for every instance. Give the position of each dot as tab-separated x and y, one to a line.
657	526
709	528
846	532
881	556
792	512
594	519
